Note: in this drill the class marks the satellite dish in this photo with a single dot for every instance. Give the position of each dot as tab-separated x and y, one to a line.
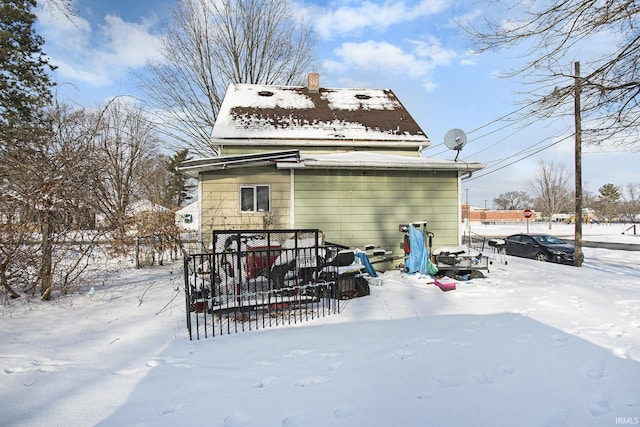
455	139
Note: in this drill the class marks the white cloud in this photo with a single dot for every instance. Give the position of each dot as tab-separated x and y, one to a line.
381	56
93	57
469	58
60	31
72	73
334	67
432	49
466	19
355	19
410	59
375	58
127	44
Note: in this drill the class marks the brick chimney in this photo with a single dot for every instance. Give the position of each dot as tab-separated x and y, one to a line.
314	83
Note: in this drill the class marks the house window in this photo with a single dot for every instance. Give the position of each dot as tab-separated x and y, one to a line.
255	198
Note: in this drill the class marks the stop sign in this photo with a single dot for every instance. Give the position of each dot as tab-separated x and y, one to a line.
527	213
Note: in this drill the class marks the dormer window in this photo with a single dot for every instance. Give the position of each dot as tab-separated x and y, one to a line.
265	93
362	96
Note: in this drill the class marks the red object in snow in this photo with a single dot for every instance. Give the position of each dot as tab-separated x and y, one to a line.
445	283
257	261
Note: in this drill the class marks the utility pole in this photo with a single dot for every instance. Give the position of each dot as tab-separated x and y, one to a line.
467	203
578	165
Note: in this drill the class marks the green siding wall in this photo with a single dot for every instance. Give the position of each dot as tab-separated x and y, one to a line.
354	208
361	207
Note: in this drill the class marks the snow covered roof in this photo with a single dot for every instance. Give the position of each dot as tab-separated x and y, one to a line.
292	159
367	160
145	206
192	168
377	161
192	208
267	115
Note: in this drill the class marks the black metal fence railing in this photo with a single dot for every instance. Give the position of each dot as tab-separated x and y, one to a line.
474	241
252	279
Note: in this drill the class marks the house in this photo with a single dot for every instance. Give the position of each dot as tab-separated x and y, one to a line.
187	217
345	161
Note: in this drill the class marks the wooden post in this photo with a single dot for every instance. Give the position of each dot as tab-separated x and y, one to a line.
578	167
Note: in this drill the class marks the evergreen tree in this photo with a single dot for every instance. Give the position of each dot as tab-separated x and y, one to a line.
609	200
25	92
179	186
25	86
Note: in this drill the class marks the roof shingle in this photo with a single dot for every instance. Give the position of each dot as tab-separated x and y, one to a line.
292	112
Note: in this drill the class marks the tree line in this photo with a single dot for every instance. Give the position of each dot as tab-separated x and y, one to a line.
551	194
75	182
71	176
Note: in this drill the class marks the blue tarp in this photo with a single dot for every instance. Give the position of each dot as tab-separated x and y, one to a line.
364	260
419	254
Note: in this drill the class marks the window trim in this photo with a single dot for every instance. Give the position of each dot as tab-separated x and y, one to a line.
255	209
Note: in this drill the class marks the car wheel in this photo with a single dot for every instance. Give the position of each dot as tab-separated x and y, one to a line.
541	257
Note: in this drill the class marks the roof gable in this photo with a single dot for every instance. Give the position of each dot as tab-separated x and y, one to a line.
331	115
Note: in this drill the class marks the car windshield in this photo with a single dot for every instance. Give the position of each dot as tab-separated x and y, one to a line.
549	240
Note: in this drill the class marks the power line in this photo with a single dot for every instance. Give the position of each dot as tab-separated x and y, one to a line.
497	142
495	165
501	118
488	172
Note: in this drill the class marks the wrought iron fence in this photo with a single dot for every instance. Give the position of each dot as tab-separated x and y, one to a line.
474	240
252	279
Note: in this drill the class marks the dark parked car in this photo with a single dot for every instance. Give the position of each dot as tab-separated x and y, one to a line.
541	247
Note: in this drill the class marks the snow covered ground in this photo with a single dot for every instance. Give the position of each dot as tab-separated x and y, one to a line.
533	344
615	233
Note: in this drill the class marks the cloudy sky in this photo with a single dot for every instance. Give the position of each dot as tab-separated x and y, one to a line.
412	47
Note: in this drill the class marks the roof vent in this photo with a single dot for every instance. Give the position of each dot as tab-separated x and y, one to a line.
362	96
265	93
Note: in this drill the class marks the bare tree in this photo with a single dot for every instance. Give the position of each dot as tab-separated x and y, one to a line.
63	7
631	201
512	200
155	182
47	200
125	143
551	186
65	204
551	31
212	43
163	184
15	248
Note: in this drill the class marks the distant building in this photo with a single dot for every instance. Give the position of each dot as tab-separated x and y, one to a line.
475	214
187	217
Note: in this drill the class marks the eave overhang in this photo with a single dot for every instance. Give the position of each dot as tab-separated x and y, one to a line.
193	168
354	160
374	161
